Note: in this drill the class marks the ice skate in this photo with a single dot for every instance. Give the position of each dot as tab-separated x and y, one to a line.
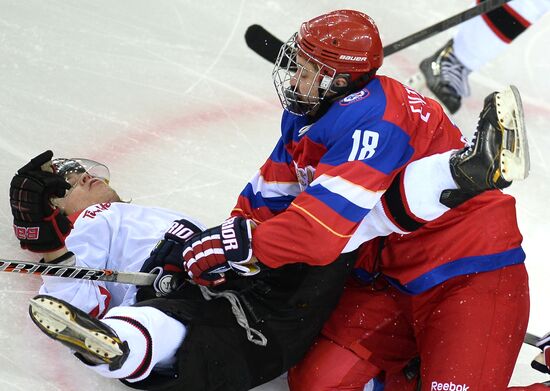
499	152
94	342
445	76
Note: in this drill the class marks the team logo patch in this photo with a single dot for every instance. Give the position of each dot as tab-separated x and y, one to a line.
165	284
305	175
355	97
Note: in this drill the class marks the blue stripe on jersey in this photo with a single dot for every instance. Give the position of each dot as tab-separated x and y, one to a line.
280	154
291	125
275	204
391	152
377	385
397	151
337	203
459	267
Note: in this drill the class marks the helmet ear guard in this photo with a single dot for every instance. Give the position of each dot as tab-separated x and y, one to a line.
340	84
352	85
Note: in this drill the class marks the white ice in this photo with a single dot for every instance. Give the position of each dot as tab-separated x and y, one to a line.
168	95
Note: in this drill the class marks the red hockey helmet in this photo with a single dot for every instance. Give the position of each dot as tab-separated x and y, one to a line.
346	40
341	43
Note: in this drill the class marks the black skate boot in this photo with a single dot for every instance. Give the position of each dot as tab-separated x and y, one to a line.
94	342
446	77
498	154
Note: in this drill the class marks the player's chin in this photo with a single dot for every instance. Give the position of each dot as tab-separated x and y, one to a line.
105	193
113	196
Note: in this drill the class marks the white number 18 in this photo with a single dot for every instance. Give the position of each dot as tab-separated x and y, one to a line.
364	144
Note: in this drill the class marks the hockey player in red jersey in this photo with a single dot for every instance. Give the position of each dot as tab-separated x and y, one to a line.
340	176
349	138
476	43
439	280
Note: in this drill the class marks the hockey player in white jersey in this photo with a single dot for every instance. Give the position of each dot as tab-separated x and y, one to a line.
477	42
73	215
107	234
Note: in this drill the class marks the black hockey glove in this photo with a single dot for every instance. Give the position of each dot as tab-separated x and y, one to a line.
39	226
166	258
208	255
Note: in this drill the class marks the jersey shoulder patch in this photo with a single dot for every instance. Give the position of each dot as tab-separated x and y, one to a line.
355	97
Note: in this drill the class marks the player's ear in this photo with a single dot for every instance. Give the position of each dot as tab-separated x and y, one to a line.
340	81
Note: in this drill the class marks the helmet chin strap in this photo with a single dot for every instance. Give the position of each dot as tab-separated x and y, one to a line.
296	104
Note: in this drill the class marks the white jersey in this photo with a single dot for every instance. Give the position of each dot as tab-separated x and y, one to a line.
116	236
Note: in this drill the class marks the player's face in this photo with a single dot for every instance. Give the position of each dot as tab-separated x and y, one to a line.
86	191
305	80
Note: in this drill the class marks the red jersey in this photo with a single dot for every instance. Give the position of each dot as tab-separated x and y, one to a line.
336	183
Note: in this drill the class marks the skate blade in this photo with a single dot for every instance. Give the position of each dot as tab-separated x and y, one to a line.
58	322
514	157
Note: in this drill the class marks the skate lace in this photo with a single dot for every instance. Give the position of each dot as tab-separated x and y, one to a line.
253	335
469	147
455	74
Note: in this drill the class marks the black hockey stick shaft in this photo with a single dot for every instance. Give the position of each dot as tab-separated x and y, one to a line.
82	273
265	44
481	8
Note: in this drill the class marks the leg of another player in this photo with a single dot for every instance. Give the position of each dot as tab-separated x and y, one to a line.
480	40
477	42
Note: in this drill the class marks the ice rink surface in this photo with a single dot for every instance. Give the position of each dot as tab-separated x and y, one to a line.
167	94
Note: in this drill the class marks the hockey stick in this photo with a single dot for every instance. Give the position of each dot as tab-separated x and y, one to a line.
77	272
265	44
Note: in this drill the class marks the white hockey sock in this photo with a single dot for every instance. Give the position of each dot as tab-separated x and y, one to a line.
475	44
152	336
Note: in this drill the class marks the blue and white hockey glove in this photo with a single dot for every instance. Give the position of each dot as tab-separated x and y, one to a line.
166	257
209	254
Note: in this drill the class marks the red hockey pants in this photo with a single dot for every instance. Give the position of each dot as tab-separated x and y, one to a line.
467	332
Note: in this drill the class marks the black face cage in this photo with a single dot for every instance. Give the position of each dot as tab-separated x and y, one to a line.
288	73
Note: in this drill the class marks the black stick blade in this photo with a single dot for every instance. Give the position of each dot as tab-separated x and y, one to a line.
263	42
